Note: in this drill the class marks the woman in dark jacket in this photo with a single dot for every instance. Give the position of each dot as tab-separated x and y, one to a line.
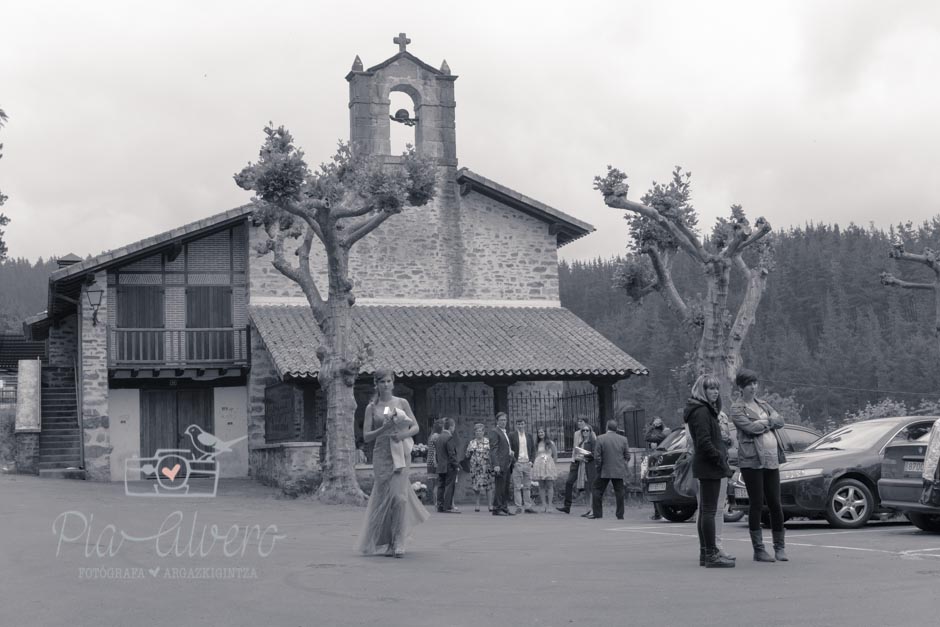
709	463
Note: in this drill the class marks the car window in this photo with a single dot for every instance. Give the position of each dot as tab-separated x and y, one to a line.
856	436
913	431
799	439
673	441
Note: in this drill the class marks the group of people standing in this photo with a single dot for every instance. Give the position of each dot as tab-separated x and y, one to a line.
760	454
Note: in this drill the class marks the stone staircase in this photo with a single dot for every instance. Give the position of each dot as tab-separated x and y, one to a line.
60	440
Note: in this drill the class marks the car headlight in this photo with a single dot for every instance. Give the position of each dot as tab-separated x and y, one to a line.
802	473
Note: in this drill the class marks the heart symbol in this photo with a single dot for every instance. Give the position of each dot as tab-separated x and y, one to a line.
153	571
170	474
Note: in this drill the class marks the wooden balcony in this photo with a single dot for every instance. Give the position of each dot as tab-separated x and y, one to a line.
178	348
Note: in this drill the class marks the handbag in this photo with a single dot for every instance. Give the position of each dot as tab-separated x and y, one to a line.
682	480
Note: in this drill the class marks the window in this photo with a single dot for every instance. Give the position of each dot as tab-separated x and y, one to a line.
140	307
208	307
800	439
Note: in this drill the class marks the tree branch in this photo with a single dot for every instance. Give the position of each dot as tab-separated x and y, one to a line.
364	227
300	276
307	215
747	311
746	237
686	238
665	286
890	280
339	214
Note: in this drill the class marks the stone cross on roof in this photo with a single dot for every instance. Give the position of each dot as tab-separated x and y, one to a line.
402	42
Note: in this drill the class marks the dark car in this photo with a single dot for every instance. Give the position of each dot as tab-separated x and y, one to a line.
836	477
902	482
657	482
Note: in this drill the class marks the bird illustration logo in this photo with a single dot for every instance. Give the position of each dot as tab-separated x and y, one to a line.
207	445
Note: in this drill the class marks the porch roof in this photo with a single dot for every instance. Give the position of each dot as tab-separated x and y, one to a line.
452	342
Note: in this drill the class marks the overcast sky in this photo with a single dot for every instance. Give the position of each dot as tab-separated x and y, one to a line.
129	118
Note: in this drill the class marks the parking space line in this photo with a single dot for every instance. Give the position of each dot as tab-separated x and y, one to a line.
909	554
830	533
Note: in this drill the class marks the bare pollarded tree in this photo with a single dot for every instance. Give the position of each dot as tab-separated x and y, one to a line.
336	206
663	223
929	258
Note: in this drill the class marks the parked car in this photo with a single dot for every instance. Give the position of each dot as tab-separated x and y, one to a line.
902	481
657	481
836	477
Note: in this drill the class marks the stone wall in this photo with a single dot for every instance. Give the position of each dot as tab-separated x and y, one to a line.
262	375
94	382
63	343
281	465
504	254
27	453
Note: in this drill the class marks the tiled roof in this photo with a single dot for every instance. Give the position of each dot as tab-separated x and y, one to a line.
14	347
452	342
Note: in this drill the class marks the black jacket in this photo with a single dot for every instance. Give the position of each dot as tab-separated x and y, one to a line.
710	460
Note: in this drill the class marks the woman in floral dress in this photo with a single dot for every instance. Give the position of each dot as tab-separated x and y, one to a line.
478	452
543	470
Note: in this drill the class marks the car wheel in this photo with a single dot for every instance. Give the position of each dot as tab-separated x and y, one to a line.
676	513
733	515
850	504
926	522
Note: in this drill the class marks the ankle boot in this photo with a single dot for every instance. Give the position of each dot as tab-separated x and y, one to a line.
757	541
780	546
702	557
713	559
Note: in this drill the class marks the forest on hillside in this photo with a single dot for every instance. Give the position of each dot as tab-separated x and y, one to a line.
829	338
23	291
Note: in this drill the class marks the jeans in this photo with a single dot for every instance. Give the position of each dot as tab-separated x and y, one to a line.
722	505
763	484
710	490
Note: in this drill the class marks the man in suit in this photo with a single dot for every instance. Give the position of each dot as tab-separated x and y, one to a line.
447	467
523	453
501	459
611	454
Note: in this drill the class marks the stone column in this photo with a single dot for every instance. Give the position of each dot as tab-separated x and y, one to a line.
94	381
421	409
500	396
605	401
28	416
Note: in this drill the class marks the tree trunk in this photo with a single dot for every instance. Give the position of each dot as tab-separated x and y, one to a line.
338	369
711	351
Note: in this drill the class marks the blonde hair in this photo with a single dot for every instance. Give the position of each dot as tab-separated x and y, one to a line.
705	381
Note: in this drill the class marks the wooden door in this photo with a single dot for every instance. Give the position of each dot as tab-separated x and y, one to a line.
158	421
194	407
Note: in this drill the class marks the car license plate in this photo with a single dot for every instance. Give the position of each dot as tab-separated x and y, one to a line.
740	493
913	466
657	487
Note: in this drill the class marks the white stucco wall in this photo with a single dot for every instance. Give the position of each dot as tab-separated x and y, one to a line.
125	429
231	422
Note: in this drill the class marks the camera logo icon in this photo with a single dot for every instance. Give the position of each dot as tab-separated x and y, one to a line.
192	472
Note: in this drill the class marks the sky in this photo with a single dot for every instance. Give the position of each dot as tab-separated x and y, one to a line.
127	119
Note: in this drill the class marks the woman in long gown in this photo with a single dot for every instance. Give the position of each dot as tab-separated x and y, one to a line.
394	510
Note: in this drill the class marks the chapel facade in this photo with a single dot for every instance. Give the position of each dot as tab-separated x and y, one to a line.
192	326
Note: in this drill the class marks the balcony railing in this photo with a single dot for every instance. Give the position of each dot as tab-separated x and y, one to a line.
142	348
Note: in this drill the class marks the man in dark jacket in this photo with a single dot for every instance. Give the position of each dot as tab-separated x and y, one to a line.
709	463
501	461
447	467
611	454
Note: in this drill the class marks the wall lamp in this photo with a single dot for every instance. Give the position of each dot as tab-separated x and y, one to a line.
94	301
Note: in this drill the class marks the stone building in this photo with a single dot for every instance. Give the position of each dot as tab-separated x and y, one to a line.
192	326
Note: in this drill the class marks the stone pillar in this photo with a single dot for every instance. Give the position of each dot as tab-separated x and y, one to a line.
500	396
28	416
421	408
605	401
93	363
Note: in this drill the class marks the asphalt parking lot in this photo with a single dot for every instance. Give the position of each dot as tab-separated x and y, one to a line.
290	562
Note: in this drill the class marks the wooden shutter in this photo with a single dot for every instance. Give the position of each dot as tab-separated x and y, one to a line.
140	307
208	307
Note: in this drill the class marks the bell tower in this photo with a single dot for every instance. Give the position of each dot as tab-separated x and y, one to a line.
432	92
